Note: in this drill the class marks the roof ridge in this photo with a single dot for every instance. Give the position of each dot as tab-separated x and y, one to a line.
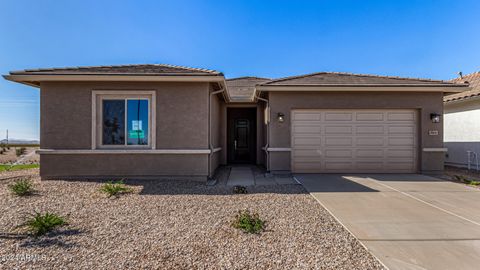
246	77
189	68
353	74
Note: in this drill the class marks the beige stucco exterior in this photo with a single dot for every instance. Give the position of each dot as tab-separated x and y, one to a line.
426	103
181	123
188	118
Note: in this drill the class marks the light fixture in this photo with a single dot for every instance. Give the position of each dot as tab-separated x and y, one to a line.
280	117
435	117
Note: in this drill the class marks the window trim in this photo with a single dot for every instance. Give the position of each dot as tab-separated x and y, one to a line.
97	113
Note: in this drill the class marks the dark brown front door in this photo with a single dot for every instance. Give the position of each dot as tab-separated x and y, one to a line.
241	135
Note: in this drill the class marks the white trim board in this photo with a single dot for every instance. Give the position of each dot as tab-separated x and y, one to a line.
122	151
278	149
435	149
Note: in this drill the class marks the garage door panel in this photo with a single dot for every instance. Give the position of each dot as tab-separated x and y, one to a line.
370	141
401	153
329	130
354	141
307	116
306	129
338	153
392	130
370	116
401	141
369	153
299	153
401	116
313	141
337	116
379	130
338	141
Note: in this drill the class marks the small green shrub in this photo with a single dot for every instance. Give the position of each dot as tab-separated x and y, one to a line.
467	181
21	187
20	151
248	222
471	182
39	224
115	188
240	190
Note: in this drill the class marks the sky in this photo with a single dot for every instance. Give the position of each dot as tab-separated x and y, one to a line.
424	38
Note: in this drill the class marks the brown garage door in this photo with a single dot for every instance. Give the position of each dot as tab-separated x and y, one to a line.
361	141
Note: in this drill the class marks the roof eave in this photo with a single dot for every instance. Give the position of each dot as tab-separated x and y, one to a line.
460	100
34	80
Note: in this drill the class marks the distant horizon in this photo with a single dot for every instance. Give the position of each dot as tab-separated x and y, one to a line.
16	139
274	39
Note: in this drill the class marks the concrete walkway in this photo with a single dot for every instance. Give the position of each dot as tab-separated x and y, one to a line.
407	221
252	176
241	176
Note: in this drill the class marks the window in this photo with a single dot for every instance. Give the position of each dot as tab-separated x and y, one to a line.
123	120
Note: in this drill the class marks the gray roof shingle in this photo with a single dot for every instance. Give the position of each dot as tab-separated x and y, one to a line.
350	79
141	69
474	80
243	88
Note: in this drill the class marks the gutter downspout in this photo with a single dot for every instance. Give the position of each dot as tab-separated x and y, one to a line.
265	148
210	145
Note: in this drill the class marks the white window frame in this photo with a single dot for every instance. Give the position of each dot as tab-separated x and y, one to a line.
97	115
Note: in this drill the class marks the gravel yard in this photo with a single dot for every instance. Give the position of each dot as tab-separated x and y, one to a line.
175	225
29	156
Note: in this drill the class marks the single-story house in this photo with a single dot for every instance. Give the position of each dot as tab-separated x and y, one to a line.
170	121
462	124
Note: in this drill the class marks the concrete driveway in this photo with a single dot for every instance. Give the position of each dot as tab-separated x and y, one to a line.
407	221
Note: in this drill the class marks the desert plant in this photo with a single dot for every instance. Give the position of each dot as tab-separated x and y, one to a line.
20	151
240	190
248	222
115	188
21	187
38	224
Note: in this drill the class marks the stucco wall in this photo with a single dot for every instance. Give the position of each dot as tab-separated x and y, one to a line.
181	123
261	133
122	165
462	131
425	103
216	130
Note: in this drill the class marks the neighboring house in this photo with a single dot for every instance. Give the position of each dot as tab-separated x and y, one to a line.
167	121
462	124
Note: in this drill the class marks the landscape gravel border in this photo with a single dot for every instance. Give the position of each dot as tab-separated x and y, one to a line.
176	225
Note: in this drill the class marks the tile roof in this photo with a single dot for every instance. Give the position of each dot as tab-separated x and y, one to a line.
347	79
141	69
474	80
243	88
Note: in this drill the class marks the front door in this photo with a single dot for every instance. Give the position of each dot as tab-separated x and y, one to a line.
241	135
